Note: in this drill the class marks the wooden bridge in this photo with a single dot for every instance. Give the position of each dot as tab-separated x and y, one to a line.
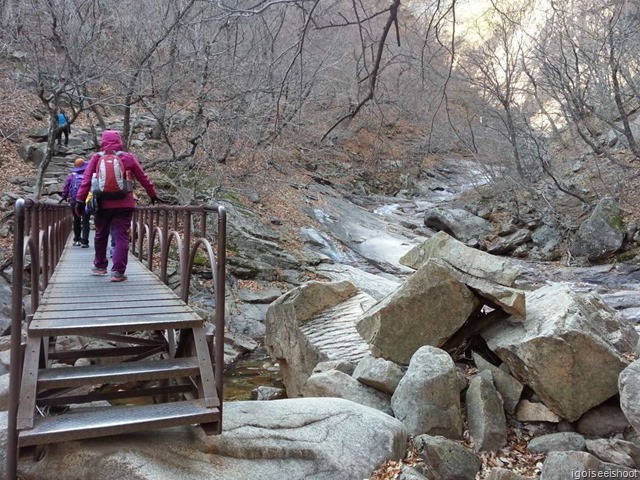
103	358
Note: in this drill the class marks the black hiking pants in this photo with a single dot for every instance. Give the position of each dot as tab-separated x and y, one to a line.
65	131
80	227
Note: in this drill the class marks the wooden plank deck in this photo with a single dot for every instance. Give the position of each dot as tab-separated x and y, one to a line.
135	360
79	302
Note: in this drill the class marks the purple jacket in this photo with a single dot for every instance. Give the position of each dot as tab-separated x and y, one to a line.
67	183
112	143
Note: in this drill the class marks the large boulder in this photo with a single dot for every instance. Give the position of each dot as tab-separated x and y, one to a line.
425	310
557	348
557	442
615	451
602	234
463	225
508	244
468	260
33	152
294	438
378	373
427	399
564	465
510	300
447	459
485	414
509	388
312	324
604	420
629	385
547	238
334	383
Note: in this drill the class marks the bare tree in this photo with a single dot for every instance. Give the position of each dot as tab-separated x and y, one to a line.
63	54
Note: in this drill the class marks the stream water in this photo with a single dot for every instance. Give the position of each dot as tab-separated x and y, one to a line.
251	371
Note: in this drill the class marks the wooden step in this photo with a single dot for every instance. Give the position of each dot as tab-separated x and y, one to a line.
145	291
117	373
107	298
129	305
112	324
73	355
116	420
70	356
88	313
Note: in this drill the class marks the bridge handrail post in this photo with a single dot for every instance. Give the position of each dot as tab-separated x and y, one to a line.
43	247
35	254
164	251
218	339
151	239
15	365
185	264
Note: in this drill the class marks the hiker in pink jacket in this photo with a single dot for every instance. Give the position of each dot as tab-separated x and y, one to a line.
116	212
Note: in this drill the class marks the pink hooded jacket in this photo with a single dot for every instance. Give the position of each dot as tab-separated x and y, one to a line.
112	143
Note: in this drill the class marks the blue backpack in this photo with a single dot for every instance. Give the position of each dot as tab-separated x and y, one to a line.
75	186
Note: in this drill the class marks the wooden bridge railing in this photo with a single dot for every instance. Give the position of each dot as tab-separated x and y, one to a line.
156	229
40	233
41	230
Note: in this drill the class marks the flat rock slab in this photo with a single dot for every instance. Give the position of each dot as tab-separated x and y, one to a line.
312	324
293	439
471	261
376	286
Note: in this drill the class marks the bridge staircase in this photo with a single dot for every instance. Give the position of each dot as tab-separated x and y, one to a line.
104	358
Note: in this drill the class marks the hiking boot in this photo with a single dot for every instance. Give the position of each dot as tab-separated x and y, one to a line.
85	245
98	271
118	277
76	243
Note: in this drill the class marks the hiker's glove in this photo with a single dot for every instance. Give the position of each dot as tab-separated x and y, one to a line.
155	200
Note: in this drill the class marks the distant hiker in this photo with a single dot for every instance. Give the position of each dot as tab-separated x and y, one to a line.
63	124
69	192
111	170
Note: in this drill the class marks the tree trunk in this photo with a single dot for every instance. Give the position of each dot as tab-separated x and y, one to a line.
614	63
633	145
126	122
51	144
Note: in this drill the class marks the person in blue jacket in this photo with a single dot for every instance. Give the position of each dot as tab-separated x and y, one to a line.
63	123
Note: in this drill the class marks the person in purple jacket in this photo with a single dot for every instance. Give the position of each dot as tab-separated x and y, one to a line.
114	212
80	220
